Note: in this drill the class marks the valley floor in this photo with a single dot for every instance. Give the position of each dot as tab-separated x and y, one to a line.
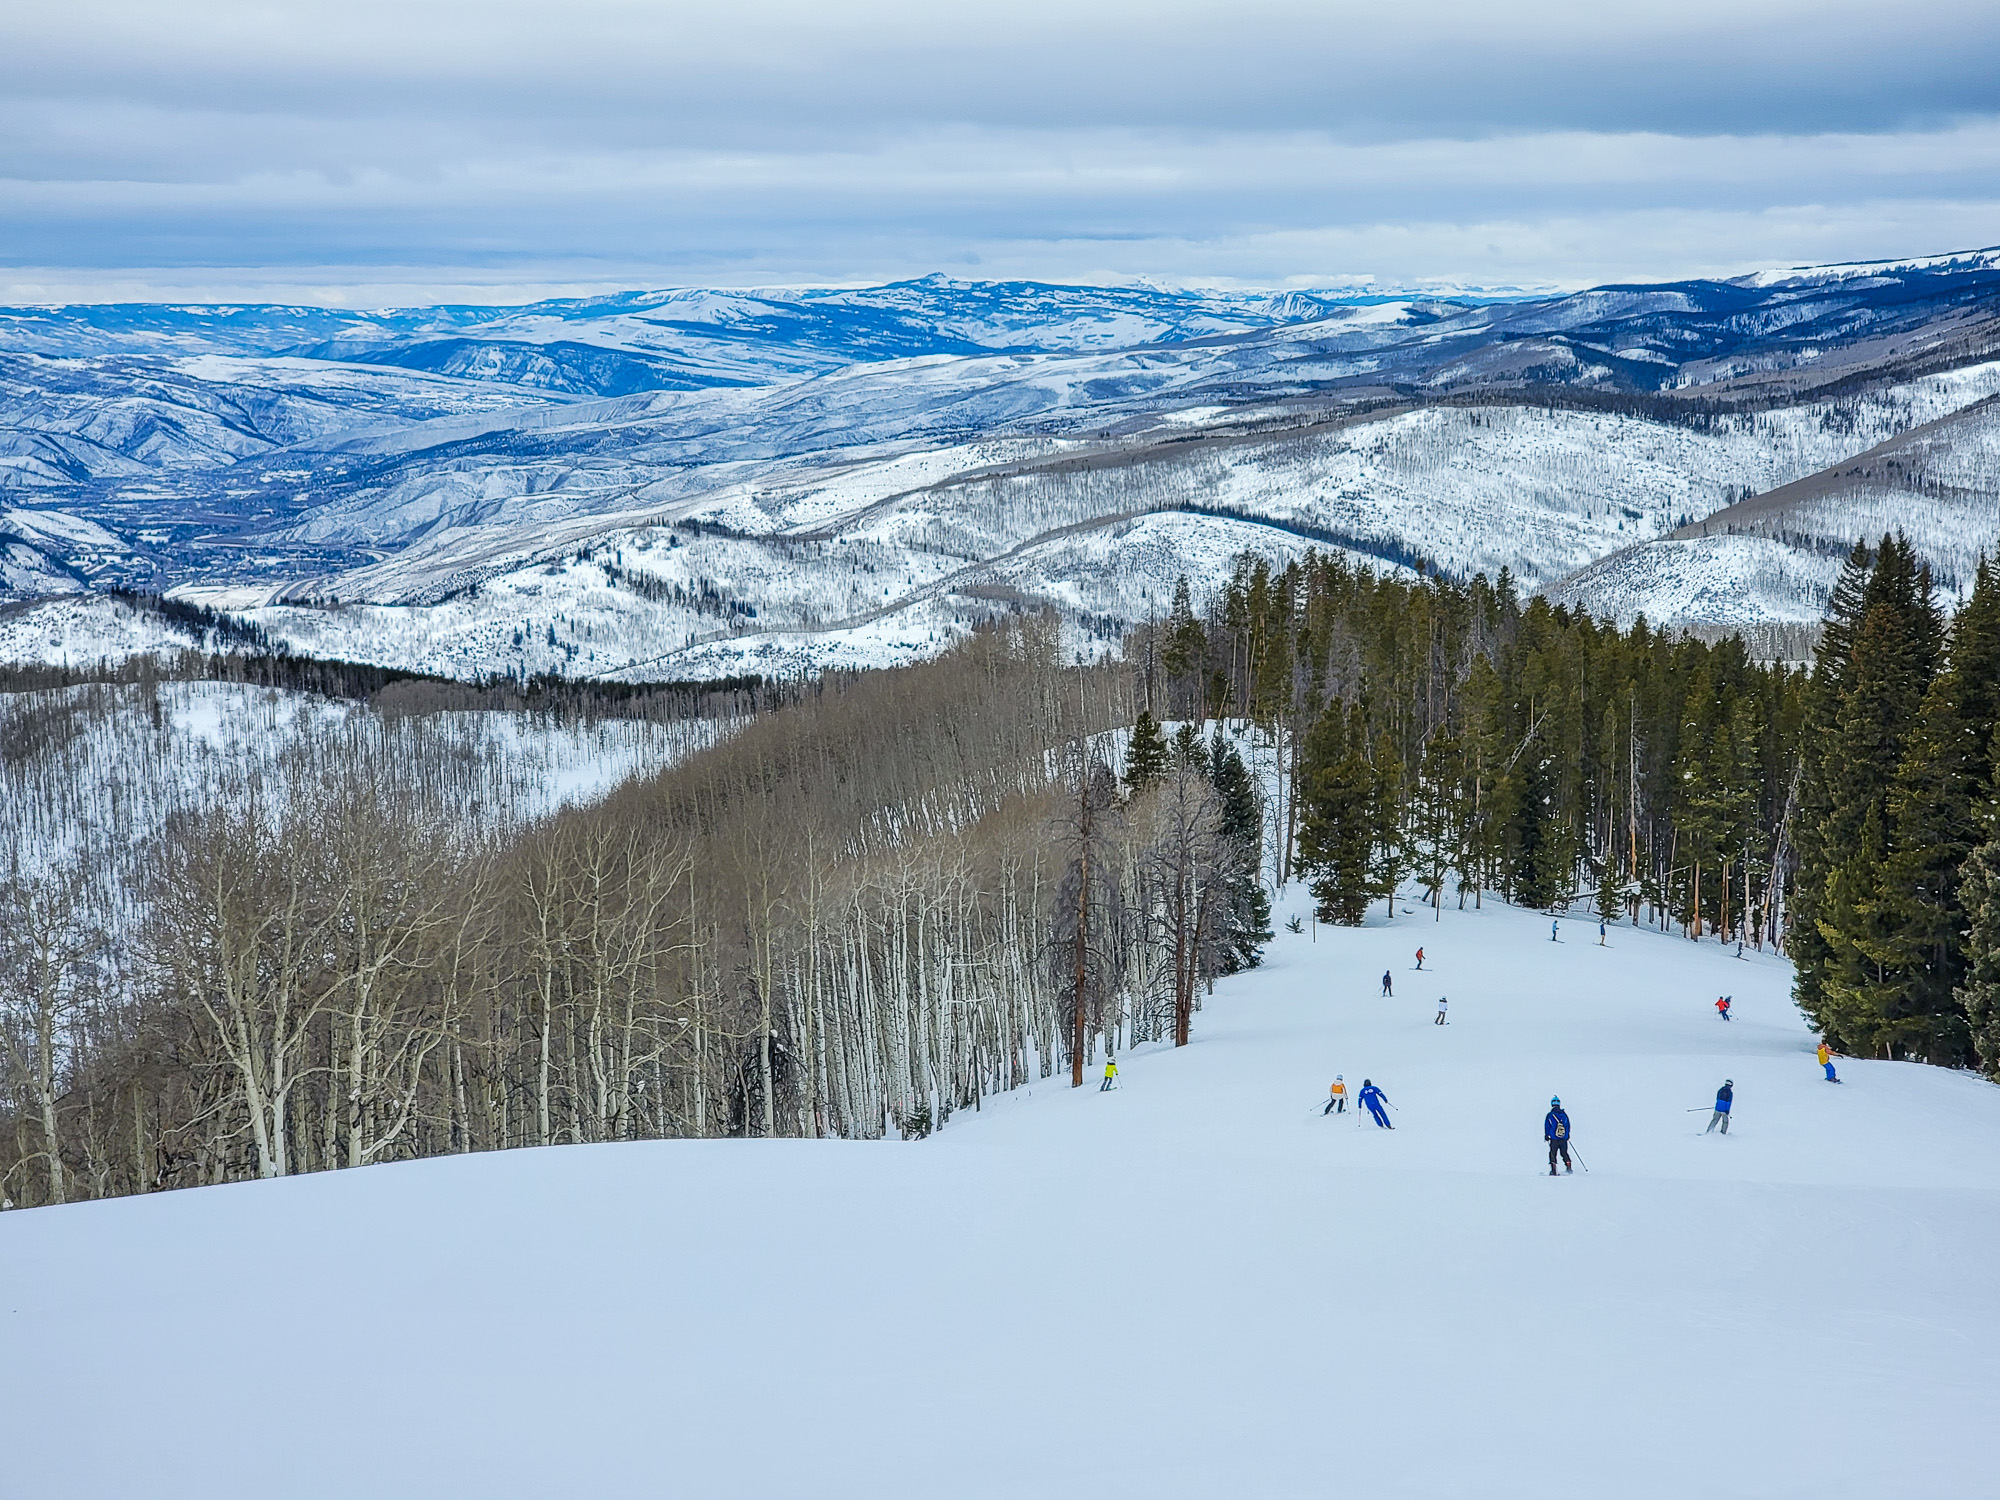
1196	1285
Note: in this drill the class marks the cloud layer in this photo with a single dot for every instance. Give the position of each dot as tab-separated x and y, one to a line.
446	149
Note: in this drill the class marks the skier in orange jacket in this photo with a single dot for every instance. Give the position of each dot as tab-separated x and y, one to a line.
1336	1103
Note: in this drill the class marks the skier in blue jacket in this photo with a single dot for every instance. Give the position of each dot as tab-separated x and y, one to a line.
1723	1097
1373	1099
1555	1130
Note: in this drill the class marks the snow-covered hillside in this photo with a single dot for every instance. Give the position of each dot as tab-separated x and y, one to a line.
956	439
90	774
878	561
1193	1286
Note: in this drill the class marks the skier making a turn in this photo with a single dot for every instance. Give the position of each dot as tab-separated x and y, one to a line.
1336	1103
1110	1076
1555	1130
1724	1096
1722	1006
1374	1100
1441	1004
1387	987
1826	1061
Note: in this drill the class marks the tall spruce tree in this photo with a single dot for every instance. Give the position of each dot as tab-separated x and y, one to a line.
1246	908
1979	993
1338	815
1863	1001
1810	952
1146	753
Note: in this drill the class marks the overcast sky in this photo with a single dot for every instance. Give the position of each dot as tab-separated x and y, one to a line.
412	150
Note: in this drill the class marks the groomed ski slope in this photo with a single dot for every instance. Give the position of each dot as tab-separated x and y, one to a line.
1195	1286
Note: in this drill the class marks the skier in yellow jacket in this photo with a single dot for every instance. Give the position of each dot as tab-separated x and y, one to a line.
1826	1061
1110	1075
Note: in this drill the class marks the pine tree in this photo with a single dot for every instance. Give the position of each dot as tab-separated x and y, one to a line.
1245	923
1435	817
1610	889
1809	950
1146	755
1854	990
1339	818
1933	830
1942	784
1979	995
1392	848
1185	655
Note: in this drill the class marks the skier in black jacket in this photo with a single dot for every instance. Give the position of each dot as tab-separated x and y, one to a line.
1555	1130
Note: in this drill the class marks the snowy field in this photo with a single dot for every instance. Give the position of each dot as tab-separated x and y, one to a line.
1194	1286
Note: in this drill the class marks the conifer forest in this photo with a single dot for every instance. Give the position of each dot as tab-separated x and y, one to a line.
856	905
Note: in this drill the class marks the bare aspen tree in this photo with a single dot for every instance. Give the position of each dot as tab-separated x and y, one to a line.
50	938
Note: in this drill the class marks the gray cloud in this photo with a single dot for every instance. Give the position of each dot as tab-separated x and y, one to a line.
516	145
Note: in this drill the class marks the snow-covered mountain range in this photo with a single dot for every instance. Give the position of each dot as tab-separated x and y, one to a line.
688	483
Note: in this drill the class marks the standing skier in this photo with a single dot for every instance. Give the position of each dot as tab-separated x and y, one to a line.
1110	1076
1724	1096
1441	1004
1374	1099
1387	987
1555	1130
1336	1103
1826	1061
1420	960
1722	1007
1601	932
1554	928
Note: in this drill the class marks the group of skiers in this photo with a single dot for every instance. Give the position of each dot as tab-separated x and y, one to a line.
1371	1099
1389	989
1555	1124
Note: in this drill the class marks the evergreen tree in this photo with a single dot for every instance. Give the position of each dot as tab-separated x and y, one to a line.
1339	817
1146	755
1188	752
1610	889
1979	995
1392	849
1245	923
1436	812
1185	654
1858	990
1934	828
1810	951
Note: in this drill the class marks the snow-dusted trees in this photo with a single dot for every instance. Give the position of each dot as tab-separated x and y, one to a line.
859	915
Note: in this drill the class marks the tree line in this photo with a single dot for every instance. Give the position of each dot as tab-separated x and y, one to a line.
1447	734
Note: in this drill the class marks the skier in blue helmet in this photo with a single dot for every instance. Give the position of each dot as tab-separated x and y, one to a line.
1555	1130
1373	1099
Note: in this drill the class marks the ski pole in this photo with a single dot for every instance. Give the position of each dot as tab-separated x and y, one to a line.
1578	1155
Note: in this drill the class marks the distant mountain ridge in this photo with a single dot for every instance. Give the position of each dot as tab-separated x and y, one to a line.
961	441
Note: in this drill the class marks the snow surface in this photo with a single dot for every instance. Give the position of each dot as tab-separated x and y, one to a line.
1194	1286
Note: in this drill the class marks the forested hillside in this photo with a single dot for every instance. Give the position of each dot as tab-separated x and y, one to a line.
1448	734
887	896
